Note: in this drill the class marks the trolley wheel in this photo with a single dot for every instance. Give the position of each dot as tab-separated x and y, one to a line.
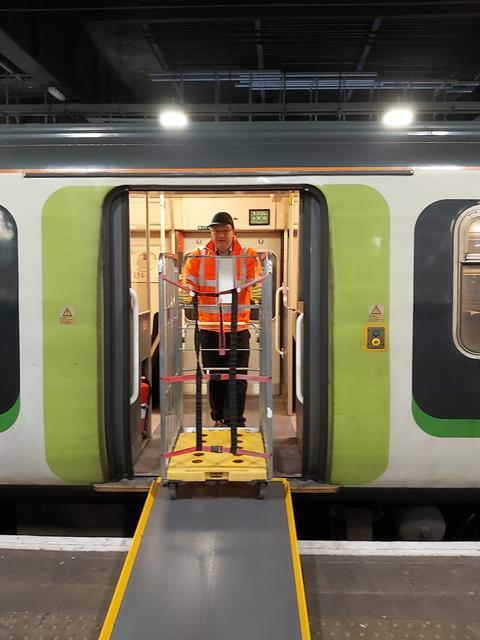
172	490
262	490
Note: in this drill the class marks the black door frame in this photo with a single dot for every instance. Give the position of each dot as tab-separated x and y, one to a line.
314	259
314	243
117	343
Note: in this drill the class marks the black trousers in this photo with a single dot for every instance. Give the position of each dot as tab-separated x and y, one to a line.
218	389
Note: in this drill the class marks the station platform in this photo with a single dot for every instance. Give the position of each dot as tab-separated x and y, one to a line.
61	587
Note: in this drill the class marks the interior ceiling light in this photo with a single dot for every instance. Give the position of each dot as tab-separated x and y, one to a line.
173	119
427	133
398	117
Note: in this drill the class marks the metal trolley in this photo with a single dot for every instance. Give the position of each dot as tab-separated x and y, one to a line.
201	453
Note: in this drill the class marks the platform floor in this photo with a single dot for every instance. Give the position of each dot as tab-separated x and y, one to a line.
64	595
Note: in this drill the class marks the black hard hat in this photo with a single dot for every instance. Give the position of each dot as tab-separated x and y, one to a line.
222	217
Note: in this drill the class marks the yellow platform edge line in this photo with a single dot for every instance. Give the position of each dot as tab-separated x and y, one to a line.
119	592
297	567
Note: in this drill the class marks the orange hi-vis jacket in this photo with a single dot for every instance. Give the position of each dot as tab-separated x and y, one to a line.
201	274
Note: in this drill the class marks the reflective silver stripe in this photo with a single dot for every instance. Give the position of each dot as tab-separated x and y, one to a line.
243	266
201	271
191	278
216	273
243	257
209	325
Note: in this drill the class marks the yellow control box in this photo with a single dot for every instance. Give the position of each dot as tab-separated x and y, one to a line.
375	337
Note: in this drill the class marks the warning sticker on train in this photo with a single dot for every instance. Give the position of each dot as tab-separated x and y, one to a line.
67	315
376	312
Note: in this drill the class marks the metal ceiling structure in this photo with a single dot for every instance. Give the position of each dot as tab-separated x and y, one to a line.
337	60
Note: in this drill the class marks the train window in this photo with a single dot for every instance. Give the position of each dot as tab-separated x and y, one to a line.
468	282
9	324
473	239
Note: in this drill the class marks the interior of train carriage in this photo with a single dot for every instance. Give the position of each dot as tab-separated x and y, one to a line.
176	222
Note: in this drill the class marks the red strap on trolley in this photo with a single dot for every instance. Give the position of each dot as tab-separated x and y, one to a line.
206	377
246	285
176	284
217	449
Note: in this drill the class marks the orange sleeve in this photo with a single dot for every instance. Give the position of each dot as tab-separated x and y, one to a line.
190	272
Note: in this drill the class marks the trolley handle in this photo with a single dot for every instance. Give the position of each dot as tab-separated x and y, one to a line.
276	320
298	358
135	382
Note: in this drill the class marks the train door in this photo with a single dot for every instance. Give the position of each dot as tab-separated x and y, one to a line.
312	335
291	225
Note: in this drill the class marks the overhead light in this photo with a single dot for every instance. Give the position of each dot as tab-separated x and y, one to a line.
398	117
173	119
84	134
56	93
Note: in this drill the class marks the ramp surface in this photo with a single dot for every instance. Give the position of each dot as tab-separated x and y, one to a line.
211	568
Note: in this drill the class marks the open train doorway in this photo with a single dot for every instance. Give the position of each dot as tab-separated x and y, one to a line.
290	224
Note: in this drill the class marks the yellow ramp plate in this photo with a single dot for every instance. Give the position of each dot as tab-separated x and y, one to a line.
216	568
204	465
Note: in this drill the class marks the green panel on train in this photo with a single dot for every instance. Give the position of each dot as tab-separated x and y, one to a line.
73	333
359	224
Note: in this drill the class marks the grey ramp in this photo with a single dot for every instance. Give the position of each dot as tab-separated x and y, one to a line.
212	569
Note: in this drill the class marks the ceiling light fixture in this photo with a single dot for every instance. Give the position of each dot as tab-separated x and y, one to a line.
173	119
56	93
398	117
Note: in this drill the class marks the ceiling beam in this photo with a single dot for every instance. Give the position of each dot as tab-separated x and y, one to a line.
366	50
184	12
259	47
229	109
158	53
22	60
282	81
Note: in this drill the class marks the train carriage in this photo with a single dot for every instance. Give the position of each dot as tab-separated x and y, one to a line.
376	236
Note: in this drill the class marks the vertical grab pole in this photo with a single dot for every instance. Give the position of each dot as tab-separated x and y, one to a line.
178	345
266	396
162	365
299	358
170	357
135	347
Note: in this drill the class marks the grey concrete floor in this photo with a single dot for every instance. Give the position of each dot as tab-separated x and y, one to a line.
53	595
388	598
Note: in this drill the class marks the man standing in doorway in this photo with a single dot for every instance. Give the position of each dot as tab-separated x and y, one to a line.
206	271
